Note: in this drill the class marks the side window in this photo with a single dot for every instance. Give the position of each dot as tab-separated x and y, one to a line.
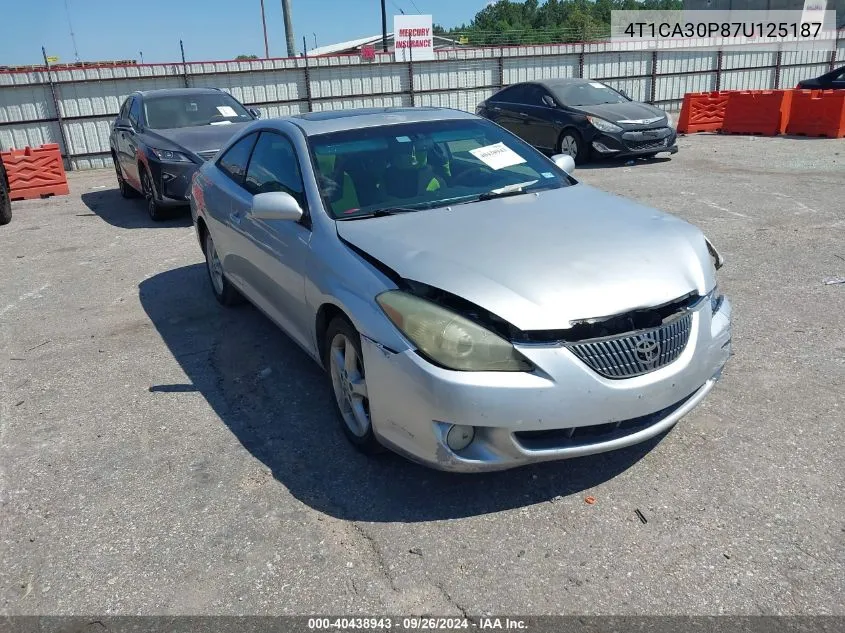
534	96
274	167
233	163
135	111
516	94
124	109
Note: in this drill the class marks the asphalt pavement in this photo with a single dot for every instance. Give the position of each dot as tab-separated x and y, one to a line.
161	454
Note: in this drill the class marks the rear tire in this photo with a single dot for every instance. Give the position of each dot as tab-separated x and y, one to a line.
225	293
571	143
345	363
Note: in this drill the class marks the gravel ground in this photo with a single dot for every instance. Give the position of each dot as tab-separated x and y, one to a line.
160	454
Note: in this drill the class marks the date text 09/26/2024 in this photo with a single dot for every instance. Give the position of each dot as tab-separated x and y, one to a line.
415	624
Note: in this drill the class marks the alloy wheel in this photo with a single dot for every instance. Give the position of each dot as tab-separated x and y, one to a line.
215	268
149	195
350	386
569	146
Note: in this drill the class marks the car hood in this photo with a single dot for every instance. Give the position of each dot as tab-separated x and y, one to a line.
630	111
542	261
202	138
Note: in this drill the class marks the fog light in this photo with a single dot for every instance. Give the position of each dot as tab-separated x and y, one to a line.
459	437
601	147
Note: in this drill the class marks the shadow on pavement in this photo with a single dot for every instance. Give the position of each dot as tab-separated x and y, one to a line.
277	402
611	163
131	213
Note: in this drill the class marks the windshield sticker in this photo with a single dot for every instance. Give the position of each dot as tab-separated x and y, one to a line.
227	111
403	139
595	84
192	107
497	156
221	123
547	174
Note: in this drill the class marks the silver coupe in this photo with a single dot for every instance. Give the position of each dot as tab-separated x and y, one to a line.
475	307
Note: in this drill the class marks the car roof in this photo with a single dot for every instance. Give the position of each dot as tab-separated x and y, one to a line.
312	123
554	84
176	92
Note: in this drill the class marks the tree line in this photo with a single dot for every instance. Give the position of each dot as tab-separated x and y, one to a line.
530	22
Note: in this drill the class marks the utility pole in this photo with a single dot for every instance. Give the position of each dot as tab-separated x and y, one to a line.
288	28
264	26
383	26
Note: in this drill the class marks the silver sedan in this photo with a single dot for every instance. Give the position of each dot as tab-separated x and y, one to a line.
475	306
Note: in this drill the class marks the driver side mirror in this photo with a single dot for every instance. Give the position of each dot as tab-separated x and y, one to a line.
255	112
565	162
549	102
276	205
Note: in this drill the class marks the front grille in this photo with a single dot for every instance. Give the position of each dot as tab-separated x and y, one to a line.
593	434
640	145
635	354
208	154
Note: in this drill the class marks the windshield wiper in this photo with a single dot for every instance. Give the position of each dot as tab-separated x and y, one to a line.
509	190
380	213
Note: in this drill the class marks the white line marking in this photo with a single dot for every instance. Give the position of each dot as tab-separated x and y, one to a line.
28	295
713	205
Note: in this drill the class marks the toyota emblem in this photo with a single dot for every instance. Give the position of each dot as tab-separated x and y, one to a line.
647	349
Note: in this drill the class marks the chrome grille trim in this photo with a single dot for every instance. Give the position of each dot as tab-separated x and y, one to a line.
635	354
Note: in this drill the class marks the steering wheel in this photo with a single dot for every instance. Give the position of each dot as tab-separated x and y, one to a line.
474	171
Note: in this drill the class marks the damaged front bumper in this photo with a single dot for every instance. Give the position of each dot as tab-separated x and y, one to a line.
563	409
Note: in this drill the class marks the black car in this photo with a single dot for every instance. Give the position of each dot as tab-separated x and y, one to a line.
161	137
5	199
834	80
582	118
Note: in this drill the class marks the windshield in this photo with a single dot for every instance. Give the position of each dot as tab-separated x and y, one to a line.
425	165
587	94
173	111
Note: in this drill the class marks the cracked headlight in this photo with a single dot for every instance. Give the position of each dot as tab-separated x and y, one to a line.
447	338
716	299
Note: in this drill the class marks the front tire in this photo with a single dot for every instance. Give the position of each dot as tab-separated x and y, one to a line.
345	363
224	292
571	143
154	210
126	191
5	204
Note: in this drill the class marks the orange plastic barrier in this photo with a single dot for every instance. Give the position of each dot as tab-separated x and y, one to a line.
757	112
702	112
817	113
35	172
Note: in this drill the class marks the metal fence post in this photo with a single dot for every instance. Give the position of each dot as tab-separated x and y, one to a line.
581	62
653	91
411	71
58	111
777	70
832	63
719	70
184	65
501	67
308	97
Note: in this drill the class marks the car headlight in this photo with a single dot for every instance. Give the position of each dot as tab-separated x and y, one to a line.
170	156
716	299
603	125
670	121
449	339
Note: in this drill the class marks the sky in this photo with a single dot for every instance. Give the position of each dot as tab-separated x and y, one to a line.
210	29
